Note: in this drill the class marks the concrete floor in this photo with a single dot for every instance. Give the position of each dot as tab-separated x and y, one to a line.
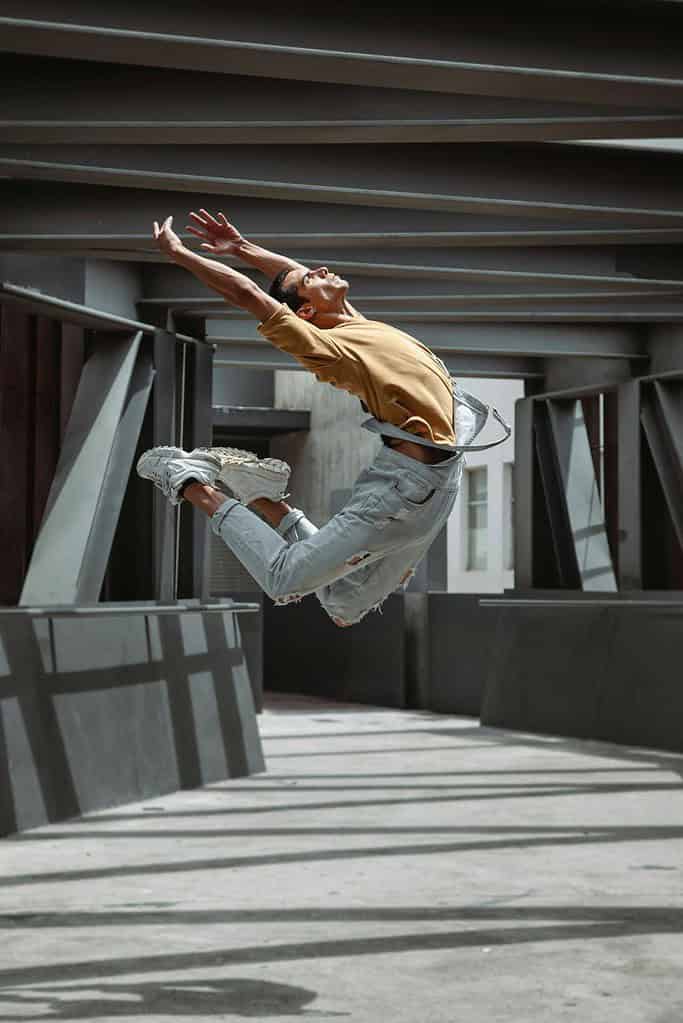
391	865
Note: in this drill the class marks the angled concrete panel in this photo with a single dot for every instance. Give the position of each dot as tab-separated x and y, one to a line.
59	557
582	495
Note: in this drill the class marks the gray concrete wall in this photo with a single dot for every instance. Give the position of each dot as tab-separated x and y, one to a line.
113	287
305	653
243	387
326	460
62	278
590	672
95	712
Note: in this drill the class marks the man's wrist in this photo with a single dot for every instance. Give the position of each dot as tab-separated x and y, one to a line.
178	252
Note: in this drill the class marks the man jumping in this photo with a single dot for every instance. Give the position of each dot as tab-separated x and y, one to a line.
397	506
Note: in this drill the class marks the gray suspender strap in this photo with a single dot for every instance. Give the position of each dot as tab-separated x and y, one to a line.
507	433
478	407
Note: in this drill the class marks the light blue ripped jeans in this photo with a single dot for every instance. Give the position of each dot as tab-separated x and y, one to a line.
365	552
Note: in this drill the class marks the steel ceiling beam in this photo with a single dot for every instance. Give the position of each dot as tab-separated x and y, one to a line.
134	244
47	100
300	132
261	356
486	75
635	189
422	306
74	215
166	282
400	305
538	341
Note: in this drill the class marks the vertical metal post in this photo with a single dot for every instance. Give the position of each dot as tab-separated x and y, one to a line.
193	574
17	445
165	430
629	486
524	494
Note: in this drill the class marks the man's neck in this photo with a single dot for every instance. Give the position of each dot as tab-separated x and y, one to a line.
327	320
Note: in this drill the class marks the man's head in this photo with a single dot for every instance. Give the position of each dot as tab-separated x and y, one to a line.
310	293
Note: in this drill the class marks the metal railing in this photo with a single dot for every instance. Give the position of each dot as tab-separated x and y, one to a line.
130	608
82	315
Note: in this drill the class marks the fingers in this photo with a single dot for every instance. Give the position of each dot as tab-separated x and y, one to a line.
209	218
156	229
224	220
195	230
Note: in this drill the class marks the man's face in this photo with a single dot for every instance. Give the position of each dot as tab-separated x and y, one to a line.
324	290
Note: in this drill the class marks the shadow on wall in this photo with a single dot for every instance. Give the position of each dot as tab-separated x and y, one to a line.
97	712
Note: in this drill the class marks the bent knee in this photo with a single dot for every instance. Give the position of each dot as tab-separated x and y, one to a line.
341	624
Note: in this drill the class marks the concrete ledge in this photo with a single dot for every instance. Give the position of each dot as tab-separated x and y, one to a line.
590	669
104	710
450	641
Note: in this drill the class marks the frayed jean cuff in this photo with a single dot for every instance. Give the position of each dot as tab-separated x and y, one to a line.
219	515
290	519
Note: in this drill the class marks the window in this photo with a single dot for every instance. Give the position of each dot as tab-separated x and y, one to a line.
477	520
509	516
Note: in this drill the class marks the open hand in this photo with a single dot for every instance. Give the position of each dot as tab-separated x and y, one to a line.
166	238
217	234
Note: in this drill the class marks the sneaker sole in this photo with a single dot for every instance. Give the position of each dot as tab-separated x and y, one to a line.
163	450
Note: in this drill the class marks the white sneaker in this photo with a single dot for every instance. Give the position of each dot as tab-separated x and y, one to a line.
249	477
170	468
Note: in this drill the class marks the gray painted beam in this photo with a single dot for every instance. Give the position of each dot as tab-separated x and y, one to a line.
59	572
540	313
56	89
262	356
136	246
340	132
421	305
93	41
51	101
586	376
495	275
535	341
77	216
566	182
582	495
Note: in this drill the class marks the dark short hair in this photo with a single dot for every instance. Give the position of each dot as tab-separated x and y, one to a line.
290	296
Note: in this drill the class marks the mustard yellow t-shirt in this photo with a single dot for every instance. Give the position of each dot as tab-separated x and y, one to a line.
397	377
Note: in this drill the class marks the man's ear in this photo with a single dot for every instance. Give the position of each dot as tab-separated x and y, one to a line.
306	311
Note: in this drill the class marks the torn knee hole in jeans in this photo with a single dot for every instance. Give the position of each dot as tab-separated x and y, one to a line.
291	598
345	625
357	559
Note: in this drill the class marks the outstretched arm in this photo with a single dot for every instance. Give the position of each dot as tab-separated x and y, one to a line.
233	286
223	239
